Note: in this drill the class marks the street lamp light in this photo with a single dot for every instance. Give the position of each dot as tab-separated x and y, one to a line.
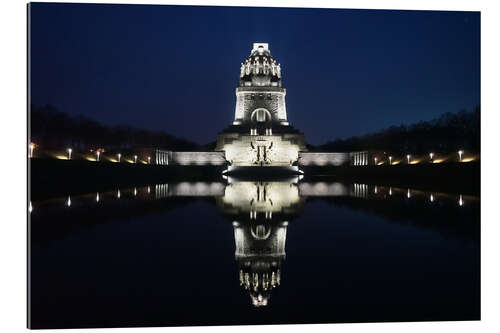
69	153
119	157
135	158
390	160
408	158
149	159
32	148
460	153
98	153
375	159
431	156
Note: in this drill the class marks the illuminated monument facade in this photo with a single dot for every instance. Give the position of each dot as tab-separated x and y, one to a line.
260	134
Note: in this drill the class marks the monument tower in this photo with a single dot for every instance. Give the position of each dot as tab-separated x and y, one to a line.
261	134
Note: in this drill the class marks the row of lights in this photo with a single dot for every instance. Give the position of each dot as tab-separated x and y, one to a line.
253	214
431	196
32	146
68	202
431	156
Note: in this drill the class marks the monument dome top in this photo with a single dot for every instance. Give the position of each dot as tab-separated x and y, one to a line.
260	68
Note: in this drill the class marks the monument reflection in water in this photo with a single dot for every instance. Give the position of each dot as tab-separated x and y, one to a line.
349	246
261	212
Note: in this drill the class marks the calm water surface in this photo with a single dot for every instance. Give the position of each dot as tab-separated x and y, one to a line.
254	253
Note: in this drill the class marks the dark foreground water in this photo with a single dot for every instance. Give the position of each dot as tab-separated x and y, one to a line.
253	253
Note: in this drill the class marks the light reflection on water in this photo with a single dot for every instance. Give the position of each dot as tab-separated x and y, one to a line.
262	213
217	189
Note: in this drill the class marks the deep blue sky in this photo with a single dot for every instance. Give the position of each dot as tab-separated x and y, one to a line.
175	68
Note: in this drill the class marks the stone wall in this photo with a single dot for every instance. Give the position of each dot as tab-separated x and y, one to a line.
323	159
273	100
197	158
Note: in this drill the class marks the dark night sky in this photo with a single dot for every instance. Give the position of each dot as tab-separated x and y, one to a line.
175	68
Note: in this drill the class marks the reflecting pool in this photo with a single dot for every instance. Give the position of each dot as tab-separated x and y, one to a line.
250	252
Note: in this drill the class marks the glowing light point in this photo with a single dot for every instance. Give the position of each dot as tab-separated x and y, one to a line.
135	191
97	197
431	156
390	190
68	202
375	159
460	201
390	160
460	153
135	158
119	157
149	189
32	148
69	153
118	194
408	158
408	194
375	190
30	207
149	159
98	153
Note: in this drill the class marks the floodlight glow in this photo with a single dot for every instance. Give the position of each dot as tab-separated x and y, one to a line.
69	153
460	201
460	153
408	194
32	148
431	198
30	207
390	160
149	189
135	191
375	190
98	153
68	202
390	190
118	194
431	156
375	159
149	159
408	158
135	158
97	197
119	157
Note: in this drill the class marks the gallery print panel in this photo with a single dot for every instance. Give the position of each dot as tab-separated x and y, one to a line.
197	165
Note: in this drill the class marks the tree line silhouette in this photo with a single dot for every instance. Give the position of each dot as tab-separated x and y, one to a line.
54	129
447	133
